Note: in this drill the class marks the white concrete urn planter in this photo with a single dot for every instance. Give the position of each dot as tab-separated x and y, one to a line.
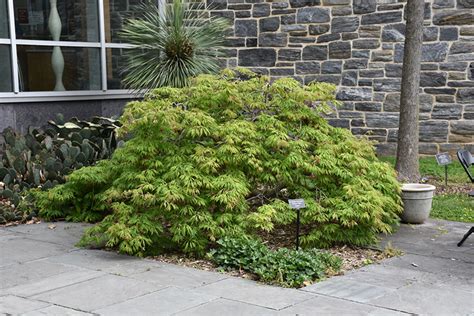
417	199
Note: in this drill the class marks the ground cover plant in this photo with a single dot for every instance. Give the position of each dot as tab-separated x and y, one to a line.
450	202
220	158
285	267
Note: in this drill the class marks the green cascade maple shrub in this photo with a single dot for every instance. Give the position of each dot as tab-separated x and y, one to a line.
221	157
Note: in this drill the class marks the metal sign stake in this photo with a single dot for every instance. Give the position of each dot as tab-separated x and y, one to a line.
297	204
297	229
444	159
446	175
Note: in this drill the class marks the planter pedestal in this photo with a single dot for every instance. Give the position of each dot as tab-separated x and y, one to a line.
417	199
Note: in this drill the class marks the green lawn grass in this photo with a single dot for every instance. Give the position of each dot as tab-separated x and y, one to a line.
453	207
429	168
448	206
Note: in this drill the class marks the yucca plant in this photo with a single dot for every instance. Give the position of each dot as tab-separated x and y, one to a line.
172	46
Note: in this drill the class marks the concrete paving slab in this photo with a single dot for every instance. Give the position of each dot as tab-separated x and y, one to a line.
54	310
97	293
222	307
164	302
63	233
434	235
19	250
7	237
250	292
433	265
457	255
29	272
4	232
431	246
39	228
93	259
14	305
53	282
39	263
134	267
455	281
168	274
351	290
428	300
321	305
387	276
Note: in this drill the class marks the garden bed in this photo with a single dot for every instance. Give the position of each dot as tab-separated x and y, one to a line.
352	258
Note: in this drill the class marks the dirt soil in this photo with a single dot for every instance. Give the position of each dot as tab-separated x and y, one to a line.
352	257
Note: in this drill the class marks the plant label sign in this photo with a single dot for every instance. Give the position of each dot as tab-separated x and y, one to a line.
444	159
297	203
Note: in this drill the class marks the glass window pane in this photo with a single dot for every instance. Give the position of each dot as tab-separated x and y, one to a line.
116	68
5	69
43	69
3	19
75	20
116	13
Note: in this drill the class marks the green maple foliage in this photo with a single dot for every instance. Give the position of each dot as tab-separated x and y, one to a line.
221	157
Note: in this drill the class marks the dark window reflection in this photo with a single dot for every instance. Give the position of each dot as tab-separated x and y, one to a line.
79	19
3	19
81	68
5	69
116	67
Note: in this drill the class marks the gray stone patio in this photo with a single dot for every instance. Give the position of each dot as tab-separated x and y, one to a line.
42	273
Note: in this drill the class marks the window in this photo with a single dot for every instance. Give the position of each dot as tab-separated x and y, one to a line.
60	48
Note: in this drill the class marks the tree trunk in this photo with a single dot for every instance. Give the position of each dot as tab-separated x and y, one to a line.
407	149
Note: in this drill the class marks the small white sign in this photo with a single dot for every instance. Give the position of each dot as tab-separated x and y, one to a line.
443	159
297	203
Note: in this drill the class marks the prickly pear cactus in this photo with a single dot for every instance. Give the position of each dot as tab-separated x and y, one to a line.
42	157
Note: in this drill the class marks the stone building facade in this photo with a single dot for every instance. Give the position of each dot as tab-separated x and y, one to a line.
358	45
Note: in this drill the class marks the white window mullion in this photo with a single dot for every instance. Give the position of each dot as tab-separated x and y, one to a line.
103	52
14	56
58	43
119	45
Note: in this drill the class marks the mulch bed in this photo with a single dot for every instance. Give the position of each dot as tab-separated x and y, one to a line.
352	257
442	189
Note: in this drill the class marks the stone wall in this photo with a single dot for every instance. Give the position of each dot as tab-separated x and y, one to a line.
358	45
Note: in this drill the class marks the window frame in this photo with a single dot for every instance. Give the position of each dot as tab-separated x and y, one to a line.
17	96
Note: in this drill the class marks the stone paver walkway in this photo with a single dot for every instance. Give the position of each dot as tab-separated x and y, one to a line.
42	273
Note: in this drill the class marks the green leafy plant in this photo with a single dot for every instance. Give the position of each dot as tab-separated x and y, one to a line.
172	47
290	268
390	251
221	157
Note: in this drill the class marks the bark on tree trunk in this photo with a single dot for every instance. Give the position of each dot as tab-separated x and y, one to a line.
407	148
